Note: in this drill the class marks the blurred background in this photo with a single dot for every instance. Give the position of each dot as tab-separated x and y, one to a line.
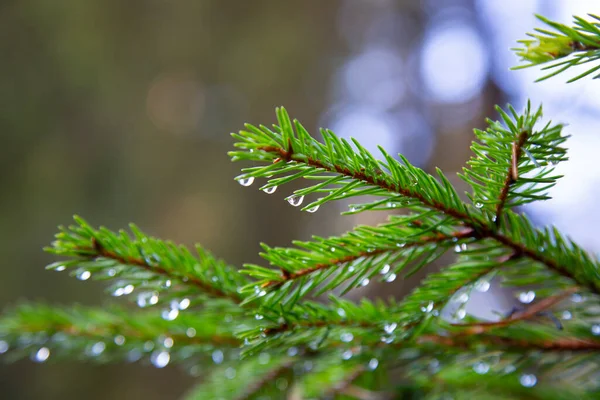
121	111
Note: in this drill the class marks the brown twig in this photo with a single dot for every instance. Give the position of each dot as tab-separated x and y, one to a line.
438	237
101	251
529	313
513	173
470	221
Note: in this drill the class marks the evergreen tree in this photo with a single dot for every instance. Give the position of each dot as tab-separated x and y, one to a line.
268	337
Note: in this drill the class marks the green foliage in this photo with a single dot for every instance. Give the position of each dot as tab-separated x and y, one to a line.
270	335
563	48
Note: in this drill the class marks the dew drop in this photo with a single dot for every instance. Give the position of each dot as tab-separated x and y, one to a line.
41	355
160	359
190	332
528	380
463	247
428	308
391	204
332	249
3	346
461	314
118	292
111	272
390	278
341	312
128	289
134	355
217	356
389	328
246	181
170	315
482	285
373	363
479	205
457	248
270	190
481	368
230	373
84	275
258	317
577	298
596	329
167	284
119	340
295	200
347	355
168	342
462	298
387	339
148	345
292	351
364	282
346	337
385	269
509	369
153	299
97	349
566	315
60	268
183	304
313	209
526	297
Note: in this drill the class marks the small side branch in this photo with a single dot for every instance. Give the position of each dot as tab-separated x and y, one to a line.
100	251
513	173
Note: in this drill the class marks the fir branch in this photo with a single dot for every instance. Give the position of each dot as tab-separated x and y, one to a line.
563	48
513	173
145	265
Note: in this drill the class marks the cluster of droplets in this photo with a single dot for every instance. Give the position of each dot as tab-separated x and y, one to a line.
171	313
145	299
123	290
388	330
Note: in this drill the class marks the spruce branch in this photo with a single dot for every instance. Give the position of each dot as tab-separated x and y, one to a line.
157	271
563	48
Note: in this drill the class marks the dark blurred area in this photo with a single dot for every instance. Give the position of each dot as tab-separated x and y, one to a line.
120	111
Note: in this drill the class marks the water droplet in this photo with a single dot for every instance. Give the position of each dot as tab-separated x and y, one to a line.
462	298
463	247
190	332
332	249
526	297
596	329
118	292
481	368
134	355
259	292
373	363
246	181
160	359
170	315
167	284
346	337
153	299
341	312
347	355
313	209
566	315
295	200
391	204
264	358
230	373
389	328
387	339
509	369
148	345
292	351
111	272
434	366
270	190
128	289
390	278
84	275
168	342
479	205
258	317
364	282
482	285
184	303
528	380
3	346
385	269
428	308
461	313
97	349
119	340
41	355
217	356
457	248
577	298
60	268
400	245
